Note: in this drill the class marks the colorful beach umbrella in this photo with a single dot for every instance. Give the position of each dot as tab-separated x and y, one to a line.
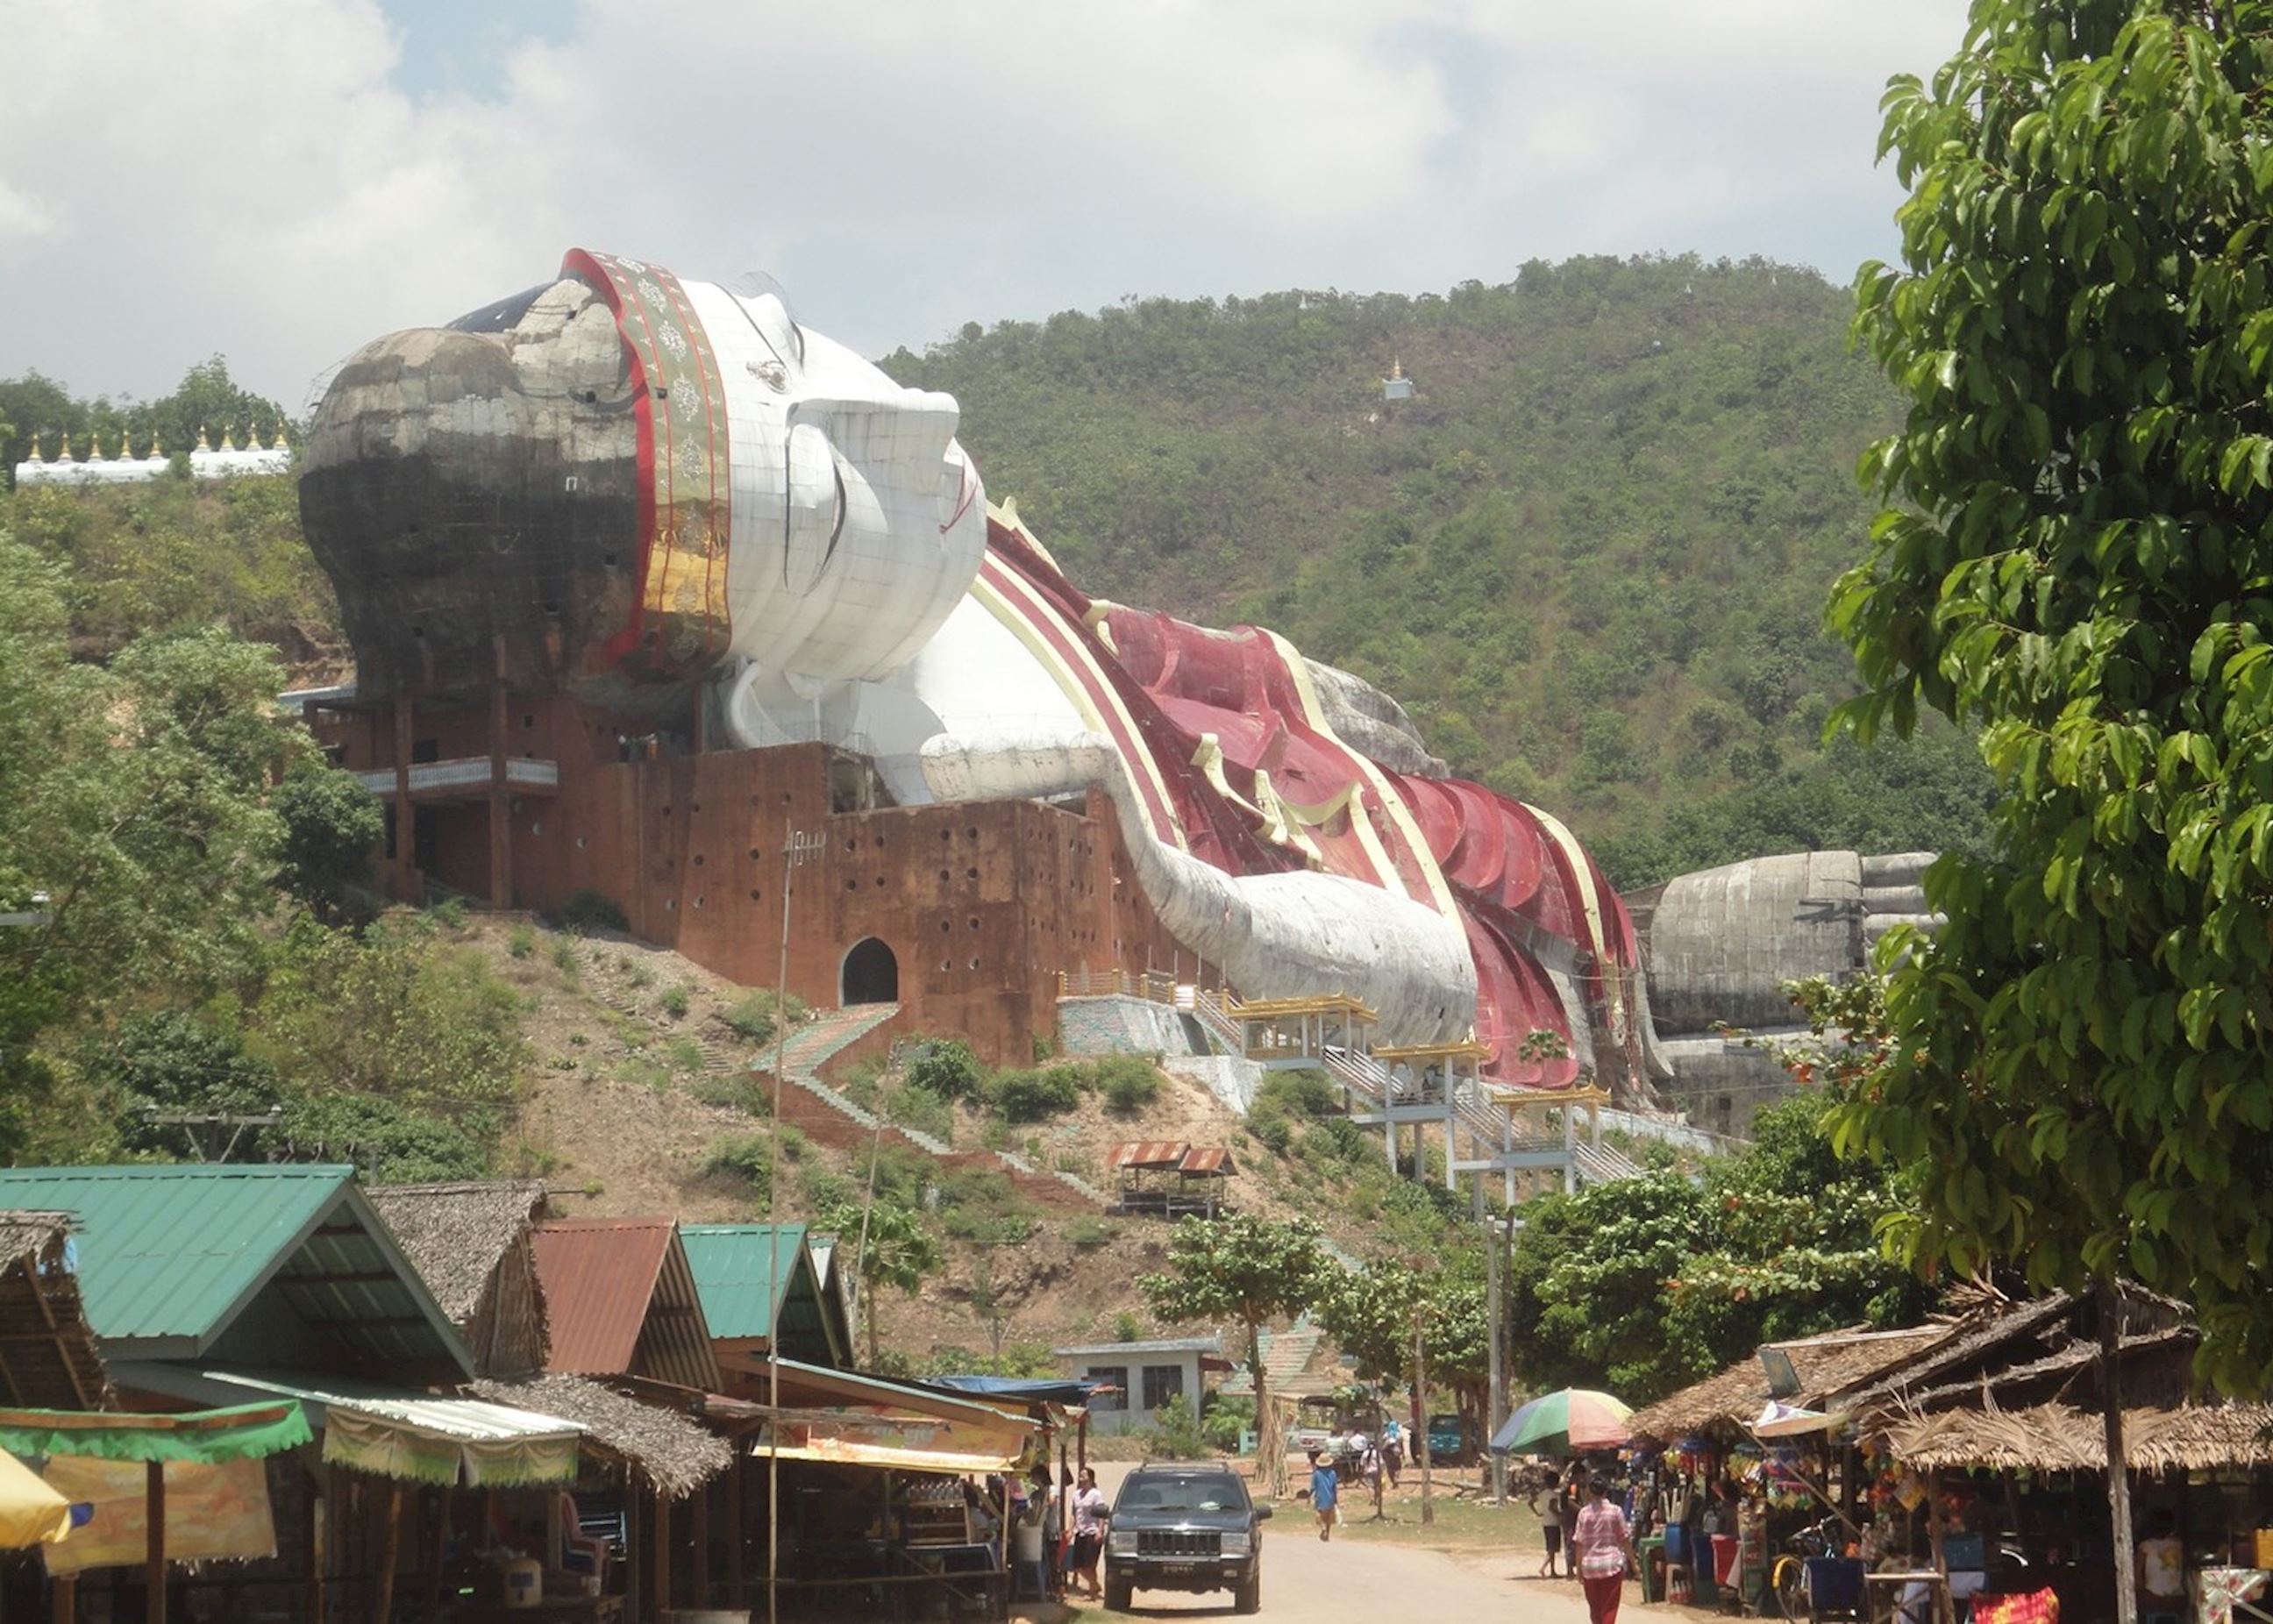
1569	1422
31	1513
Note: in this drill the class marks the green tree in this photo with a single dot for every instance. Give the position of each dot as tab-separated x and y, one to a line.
891	1246
136	844
2075	557
331	824
1245	1270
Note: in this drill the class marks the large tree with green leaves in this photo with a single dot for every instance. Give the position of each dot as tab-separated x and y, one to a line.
890	1247
136	843
2077	556
1242	1271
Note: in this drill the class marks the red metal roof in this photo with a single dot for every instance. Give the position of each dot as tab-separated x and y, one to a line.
1162	1153
611	1281
1207	1159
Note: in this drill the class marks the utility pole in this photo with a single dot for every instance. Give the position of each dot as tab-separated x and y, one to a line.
1420	1407
1493	1230
796	848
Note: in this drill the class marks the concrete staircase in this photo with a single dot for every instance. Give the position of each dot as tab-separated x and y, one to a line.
822	1113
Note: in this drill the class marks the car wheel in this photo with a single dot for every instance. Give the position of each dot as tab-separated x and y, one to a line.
1250	1595
1117	1592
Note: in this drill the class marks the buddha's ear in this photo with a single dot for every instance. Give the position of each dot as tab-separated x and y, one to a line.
814	482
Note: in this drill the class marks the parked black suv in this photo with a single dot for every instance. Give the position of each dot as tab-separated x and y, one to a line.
1184	1527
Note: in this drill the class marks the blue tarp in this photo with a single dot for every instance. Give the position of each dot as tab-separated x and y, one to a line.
1032	1389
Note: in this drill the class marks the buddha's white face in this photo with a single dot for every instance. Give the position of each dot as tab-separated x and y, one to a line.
629	483
858	521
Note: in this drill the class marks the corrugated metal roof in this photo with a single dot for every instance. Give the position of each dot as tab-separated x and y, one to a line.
470	1420
170	1256
621	1301
1207	1159
1164	1153
169	1251
1164	1345
744	1271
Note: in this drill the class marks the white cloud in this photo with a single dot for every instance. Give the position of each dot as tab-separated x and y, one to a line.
251	177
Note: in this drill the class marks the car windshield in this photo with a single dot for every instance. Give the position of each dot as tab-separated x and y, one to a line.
1212	1493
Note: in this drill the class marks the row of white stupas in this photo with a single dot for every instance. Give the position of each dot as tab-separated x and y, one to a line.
95	468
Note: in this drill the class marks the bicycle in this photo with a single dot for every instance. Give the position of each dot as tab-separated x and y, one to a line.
1787	1579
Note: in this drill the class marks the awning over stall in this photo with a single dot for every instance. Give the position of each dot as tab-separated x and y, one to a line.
398	1431
204	1437
910	1443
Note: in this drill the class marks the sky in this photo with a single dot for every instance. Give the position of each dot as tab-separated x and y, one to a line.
280	180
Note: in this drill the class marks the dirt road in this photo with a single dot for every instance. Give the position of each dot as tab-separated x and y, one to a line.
1366	1581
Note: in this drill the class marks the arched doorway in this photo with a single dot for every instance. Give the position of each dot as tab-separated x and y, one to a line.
871	975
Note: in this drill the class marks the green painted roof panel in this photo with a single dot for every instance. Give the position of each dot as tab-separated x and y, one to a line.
743	1271
169	1251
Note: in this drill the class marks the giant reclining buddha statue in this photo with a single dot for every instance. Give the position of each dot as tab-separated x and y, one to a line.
636	488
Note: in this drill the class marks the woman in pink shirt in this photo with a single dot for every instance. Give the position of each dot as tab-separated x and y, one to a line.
1602	1542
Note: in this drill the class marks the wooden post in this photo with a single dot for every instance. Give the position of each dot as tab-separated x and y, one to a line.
662	1573
441	1552
1497	1376
312	1540
2119	1457
406	820
1420	1407
1941	1607
63	1600
734	1527
500	801
385	1612
698	1506
1081	1441
153	1510
635	1548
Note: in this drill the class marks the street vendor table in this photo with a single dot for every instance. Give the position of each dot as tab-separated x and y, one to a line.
2221	1592
1887	1591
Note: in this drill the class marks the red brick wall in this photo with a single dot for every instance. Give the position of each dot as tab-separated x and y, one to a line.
981	904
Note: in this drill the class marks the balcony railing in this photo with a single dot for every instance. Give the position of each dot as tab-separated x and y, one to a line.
463	773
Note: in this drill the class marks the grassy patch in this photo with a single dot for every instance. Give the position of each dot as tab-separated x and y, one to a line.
1467	1525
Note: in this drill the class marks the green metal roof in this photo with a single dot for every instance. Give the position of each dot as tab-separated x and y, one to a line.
170	1257
744	1272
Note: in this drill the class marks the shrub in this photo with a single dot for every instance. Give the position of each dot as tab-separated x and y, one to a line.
1222	1421
1043	1048
675	1000
521	942
636	973
752	1017
747	1156
685	1055
1305	1093
984	1207
1175	1434
449	913
1037	1095
564	959
1126	1327
923	1111
1270	1127
588	911
946	1069
1090	1230
1128	1084
738	1090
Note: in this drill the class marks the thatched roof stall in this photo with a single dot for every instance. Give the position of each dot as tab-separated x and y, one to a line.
2058	1438
470	1244
2044	1351
48	1358
674	1453
1829	1368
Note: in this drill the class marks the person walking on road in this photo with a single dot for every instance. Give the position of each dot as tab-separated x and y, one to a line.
1325	1492
1603	1542
1393	1449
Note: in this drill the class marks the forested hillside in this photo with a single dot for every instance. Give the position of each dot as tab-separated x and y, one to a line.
1590	554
